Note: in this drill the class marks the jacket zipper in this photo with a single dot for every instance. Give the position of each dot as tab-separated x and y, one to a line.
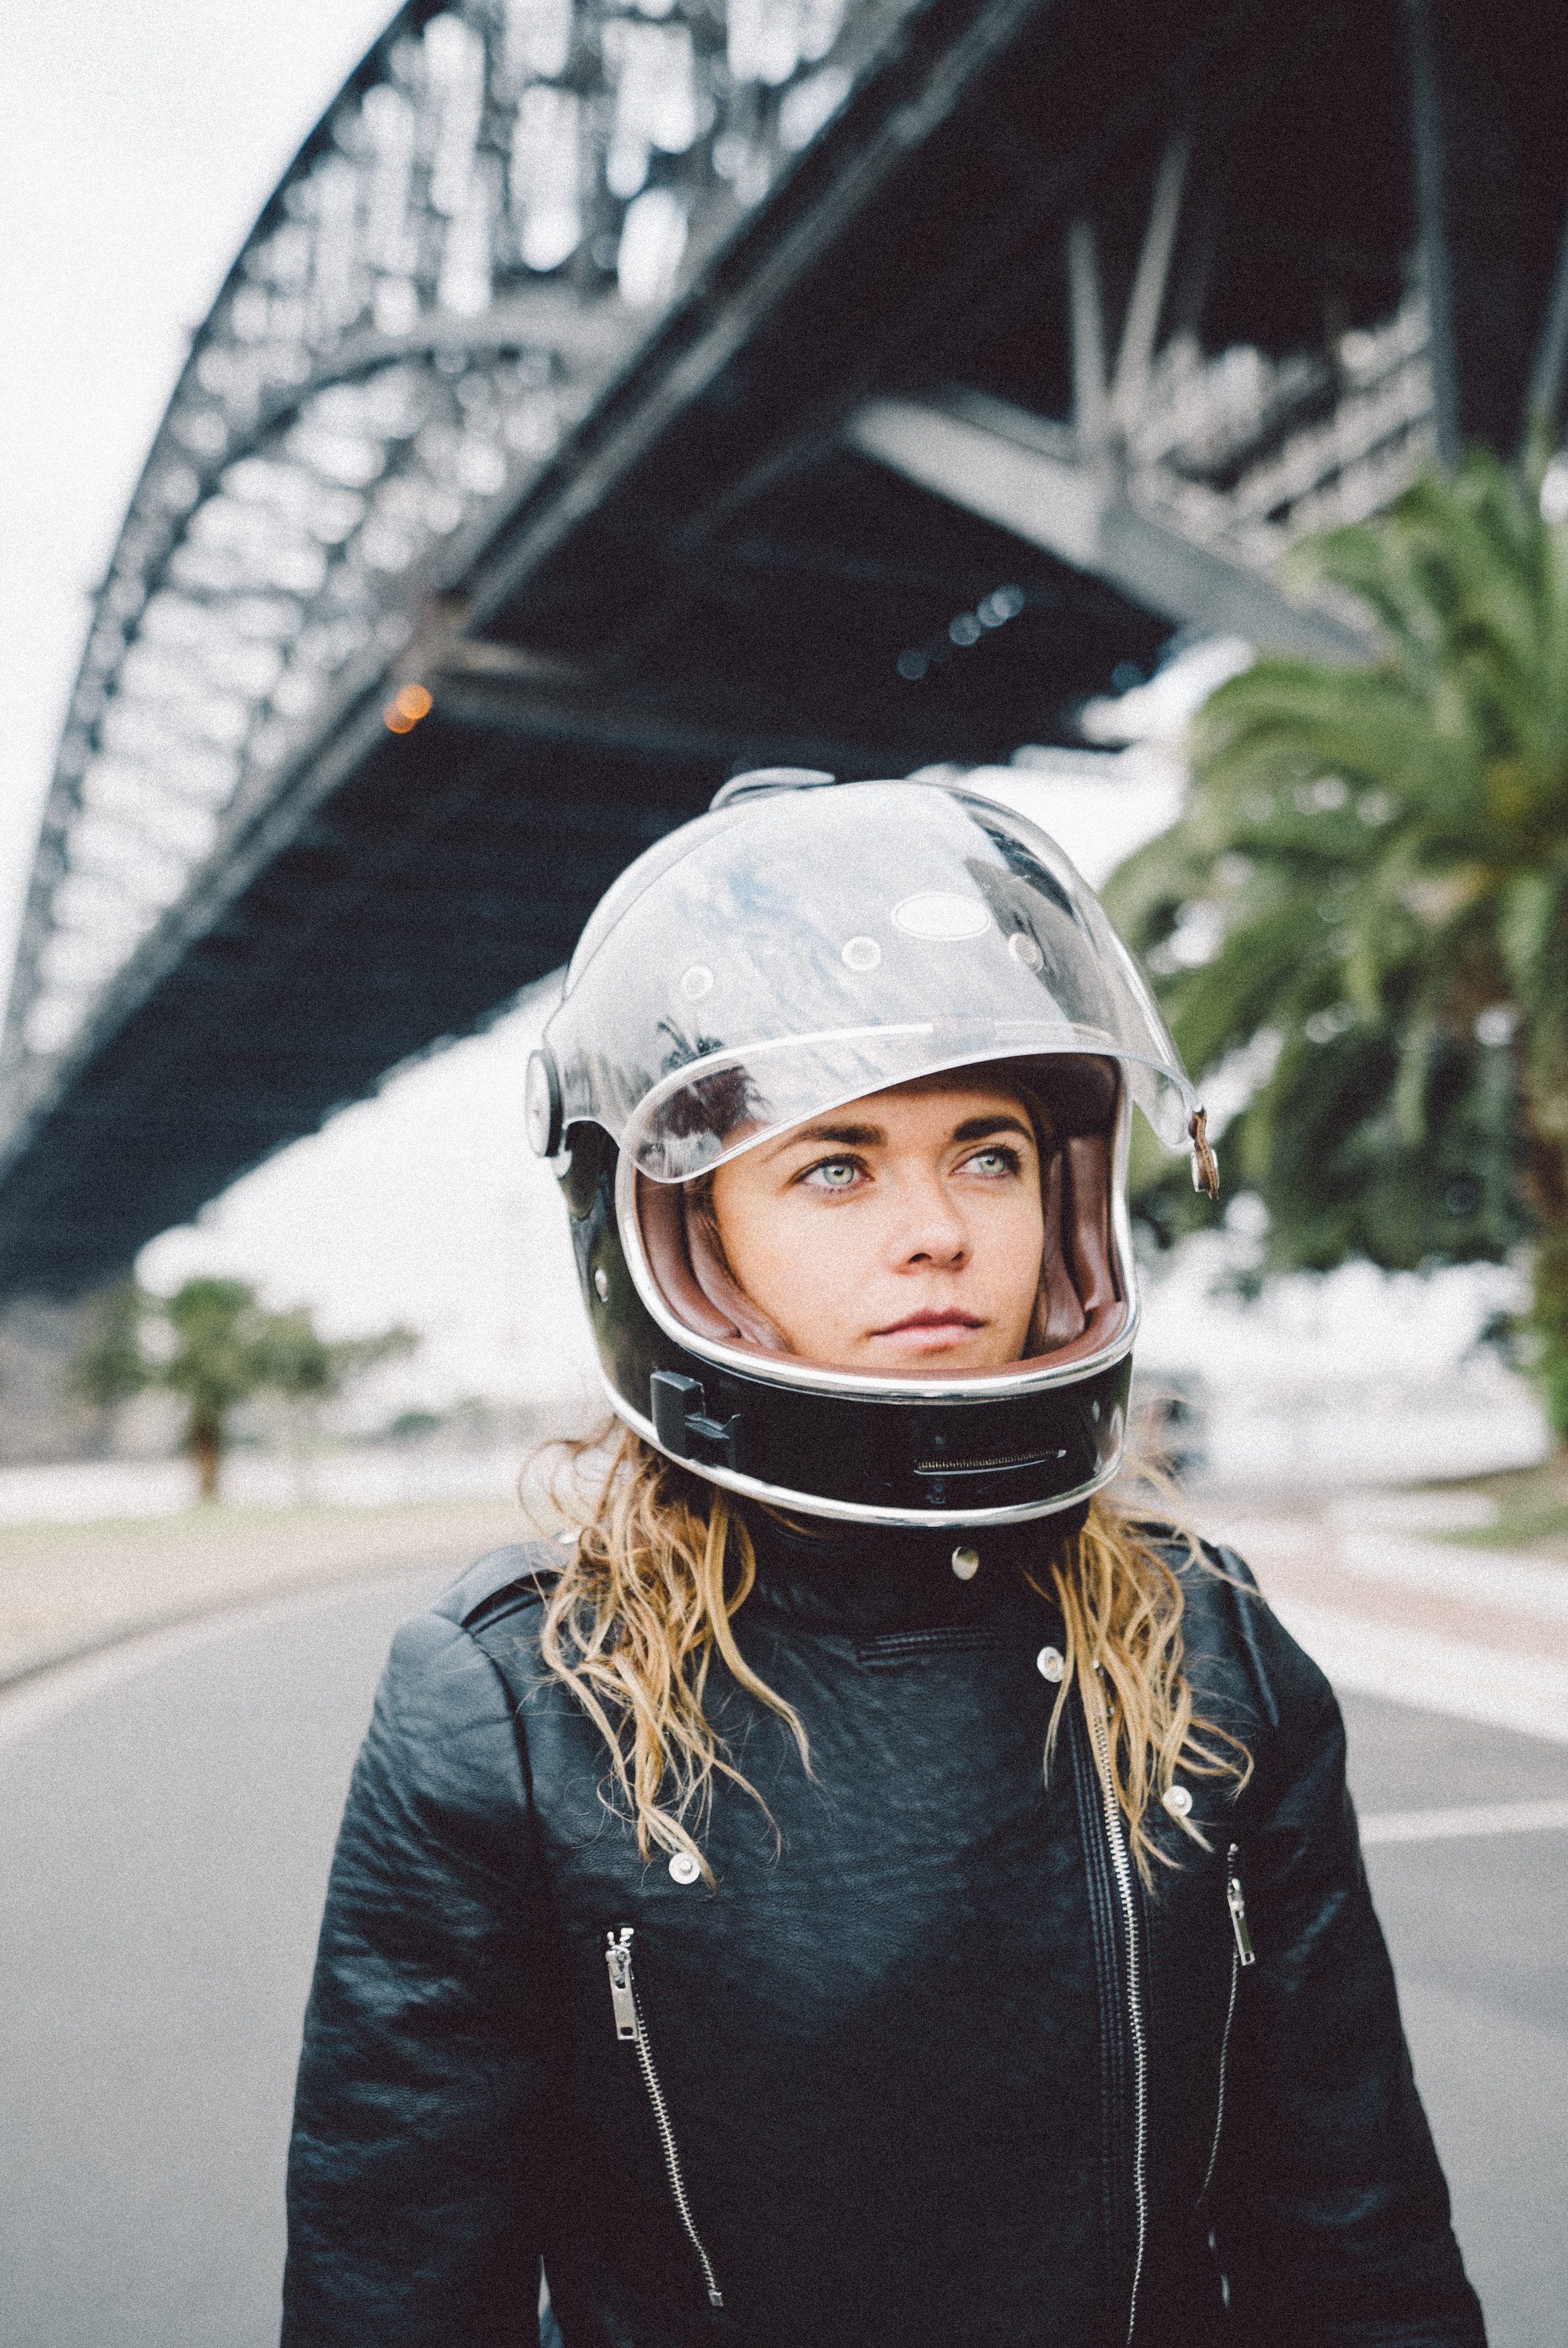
1242	1954
629	2024
1235	1901
1122	1867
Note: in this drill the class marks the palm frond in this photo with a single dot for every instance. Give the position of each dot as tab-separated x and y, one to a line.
1382	855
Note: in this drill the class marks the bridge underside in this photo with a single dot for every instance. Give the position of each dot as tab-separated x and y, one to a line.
715	574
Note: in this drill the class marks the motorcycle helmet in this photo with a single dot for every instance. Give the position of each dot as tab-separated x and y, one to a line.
803	944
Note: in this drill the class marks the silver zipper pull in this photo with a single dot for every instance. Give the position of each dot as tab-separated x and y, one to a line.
617	1957
1235	1901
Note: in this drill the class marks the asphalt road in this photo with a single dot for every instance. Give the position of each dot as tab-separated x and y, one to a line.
164	1838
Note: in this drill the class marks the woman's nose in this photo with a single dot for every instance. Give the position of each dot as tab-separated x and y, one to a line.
931	1230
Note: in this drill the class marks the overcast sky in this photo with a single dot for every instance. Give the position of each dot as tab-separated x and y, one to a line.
141	139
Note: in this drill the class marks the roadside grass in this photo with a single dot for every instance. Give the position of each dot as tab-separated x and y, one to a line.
1532	1510
66	1589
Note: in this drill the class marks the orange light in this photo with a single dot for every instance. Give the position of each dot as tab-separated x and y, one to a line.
407	707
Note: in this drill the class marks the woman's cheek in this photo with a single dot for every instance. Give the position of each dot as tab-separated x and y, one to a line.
1013	1237
823	1275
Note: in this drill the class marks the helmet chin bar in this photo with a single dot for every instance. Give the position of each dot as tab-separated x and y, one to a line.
820	1456
999	1449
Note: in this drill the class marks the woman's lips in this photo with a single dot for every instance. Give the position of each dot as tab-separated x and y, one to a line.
928	1332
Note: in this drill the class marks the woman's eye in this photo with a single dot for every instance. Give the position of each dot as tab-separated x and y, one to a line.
994	1161
834	1174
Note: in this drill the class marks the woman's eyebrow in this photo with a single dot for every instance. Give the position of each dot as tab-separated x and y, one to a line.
848	1137
981	1128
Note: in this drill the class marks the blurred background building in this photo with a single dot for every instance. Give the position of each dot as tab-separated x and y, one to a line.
612	396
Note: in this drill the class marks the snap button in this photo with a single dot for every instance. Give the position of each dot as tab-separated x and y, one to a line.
1177	1800
966	1564
601	1286
684	1868
1050	1665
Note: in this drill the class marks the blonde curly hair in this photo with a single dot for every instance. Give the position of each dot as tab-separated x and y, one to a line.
659	1563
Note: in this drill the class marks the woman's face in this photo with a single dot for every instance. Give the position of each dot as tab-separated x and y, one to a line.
901	1233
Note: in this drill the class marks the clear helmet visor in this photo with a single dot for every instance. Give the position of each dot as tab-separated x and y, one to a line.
784	955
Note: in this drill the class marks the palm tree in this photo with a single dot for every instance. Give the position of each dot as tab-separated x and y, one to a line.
217	1359
1367	899
212	1344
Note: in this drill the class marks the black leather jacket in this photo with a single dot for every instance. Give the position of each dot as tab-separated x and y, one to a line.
929	2067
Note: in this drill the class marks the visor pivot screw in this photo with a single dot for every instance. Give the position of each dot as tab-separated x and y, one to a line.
1205	1165
697	982
601	1286
542	1110
1050	1665
1024	950
966	1564
861	953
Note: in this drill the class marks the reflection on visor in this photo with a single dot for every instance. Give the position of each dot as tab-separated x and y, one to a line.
785	954
693	1123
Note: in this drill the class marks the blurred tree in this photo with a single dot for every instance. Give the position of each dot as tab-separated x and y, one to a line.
214	1343
108	1368
1367	901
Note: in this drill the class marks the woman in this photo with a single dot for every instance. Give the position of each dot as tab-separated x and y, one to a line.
864	1887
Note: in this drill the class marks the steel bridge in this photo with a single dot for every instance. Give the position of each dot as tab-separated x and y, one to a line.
617	393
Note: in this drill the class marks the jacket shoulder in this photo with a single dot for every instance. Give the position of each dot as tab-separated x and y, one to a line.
1229	1629
502	1582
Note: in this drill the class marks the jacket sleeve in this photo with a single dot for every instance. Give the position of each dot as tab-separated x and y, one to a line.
1330	2208
417	2156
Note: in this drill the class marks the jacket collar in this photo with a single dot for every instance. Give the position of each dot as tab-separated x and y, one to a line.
863	1581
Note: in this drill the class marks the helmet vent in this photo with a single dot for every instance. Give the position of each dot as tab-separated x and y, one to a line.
977	1467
